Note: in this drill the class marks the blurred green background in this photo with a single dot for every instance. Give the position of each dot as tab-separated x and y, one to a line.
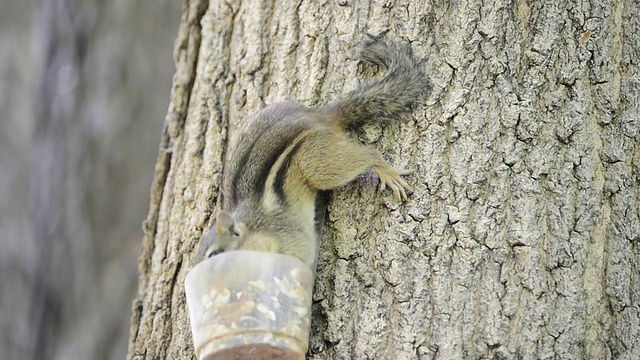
84	88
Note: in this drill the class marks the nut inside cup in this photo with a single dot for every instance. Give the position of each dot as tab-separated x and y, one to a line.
243	302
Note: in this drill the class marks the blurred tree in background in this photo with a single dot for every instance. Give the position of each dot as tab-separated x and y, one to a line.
84	87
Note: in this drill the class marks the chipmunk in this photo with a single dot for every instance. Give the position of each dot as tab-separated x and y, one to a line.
288	153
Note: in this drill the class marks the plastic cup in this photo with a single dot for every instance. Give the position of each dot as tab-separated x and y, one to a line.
250	305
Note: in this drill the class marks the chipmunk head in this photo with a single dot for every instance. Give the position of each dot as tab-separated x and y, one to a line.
230	233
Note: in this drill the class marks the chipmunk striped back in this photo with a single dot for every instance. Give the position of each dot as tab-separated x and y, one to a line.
260	161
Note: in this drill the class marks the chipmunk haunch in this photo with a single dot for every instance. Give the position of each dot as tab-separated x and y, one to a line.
287	153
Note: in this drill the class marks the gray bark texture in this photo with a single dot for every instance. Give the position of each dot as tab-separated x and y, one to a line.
83	94
521	239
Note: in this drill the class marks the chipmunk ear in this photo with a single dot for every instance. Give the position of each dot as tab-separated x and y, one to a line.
224	223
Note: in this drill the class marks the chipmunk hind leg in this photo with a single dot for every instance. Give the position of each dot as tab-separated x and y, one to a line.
328	160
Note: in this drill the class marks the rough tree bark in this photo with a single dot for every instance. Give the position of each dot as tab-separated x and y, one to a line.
521	238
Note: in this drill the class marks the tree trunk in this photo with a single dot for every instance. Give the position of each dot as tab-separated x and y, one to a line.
521	237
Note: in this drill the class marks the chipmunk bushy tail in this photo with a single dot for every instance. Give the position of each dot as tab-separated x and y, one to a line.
390	96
